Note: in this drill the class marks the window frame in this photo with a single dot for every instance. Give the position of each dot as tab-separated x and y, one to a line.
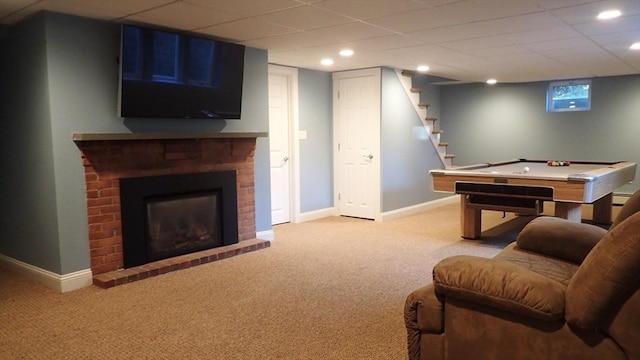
551	101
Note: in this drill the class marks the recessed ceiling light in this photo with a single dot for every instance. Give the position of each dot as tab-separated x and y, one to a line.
326	62
492	81
635	46
422	68
346	52
609	14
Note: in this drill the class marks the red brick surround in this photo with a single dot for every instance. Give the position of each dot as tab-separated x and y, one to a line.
105	162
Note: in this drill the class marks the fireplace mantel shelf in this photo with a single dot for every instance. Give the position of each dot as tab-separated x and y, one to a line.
165	135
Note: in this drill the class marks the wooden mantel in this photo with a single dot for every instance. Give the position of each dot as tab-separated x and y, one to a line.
165	135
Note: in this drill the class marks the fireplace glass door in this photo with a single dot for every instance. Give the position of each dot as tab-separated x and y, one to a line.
181	225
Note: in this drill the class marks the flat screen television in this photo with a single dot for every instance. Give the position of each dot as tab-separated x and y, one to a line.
165	74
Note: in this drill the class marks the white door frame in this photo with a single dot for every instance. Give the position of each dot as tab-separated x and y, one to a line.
294	158
337	160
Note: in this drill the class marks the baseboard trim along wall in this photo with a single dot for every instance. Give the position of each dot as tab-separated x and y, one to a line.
419	208
315	215
265	235
61	283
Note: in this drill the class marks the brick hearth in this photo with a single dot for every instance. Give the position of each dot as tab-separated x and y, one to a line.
107	161
123	276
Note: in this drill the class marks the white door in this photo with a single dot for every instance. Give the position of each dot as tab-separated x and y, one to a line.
279	132
358	127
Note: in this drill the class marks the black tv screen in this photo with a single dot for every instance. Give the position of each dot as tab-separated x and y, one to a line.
171	75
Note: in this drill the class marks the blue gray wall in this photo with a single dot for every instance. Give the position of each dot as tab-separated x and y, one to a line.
315	91
62	77
59	76
506	121
28	225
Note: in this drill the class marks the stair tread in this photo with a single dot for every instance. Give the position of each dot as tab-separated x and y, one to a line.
430	118
437	132
415	90
449	156
443	143
424	104
408	73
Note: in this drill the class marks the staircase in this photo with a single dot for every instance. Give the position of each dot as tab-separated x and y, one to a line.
429	122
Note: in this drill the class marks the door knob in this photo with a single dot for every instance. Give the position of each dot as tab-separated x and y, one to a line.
370	156
286	158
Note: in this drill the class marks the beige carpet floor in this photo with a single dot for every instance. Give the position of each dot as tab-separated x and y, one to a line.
327	289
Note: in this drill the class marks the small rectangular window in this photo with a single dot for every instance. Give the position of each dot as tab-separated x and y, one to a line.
166	57
569	96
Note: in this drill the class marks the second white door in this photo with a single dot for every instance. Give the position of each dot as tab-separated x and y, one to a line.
279	130
358	132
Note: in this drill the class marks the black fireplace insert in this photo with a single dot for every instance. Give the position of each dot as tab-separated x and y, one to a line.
170	215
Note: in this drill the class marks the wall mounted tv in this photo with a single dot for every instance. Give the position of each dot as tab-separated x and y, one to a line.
173	75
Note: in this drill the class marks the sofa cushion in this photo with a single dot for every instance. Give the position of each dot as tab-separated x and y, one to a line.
555	268
560	238
609	274
500	284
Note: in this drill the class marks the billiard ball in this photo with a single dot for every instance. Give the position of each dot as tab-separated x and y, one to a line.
526	169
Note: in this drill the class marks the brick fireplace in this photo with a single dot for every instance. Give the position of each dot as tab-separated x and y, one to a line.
107	158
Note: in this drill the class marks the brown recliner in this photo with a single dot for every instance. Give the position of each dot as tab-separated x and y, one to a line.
563	290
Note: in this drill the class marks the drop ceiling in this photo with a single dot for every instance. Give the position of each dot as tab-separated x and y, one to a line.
464	40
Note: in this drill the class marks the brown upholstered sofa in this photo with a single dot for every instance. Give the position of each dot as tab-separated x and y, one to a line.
563	290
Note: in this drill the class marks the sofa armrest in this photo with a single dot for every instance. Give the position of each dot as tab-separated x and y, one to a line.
424	310
500	284
423	313
560	238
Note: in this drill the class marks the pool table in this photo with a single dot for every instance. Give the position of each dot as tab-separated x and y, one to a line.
521	186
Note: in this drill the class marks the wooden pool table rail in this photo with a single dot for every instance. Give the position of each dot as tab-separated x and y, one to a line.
568	192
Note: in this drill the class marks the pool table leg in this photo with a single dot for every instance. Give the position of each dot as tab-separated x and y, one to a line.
602	210
569	211
470	219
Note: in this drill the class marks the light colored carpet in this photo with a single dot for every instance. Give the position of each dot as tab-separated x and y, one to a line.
327	289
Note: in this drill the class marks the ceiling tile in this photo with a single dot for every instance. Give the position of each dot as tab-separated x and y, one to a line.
349	32
304	18
555	4
9	6
585	54
12	11
390	42
586	13
246	29
430	52
288	41
184	16
623	39
455	14
574	42
91	8
363	10
247	8
500	52
621	24
516	24
115	6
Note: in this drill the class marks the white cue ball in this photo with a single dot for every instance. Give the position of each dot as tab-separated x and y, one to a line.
526	169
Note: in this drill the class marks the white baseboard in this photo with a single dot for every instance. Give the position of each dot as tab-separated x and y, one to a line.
61	283
419	208
315	215
265	235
